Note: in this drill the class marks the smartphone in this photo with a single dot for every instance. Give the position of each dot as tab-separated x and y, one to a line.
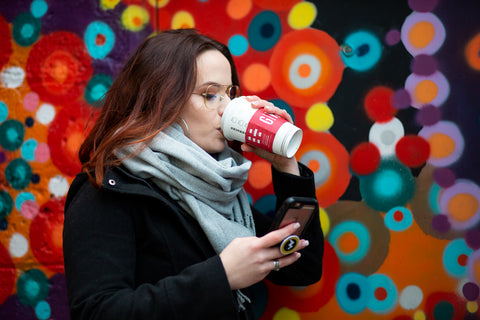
294	209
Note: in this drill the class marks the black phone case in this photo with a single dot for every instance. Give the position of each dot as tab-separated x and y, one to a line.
289	203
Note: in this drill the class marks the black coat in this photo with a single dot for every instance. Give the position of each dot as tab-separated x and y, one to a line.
131	252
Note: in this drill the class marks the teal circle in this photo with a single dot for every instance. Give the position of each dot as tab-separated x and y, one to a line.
97	87
264	31
443	311
391	185
22	197
18	174
43	310
365	50
32	287
3	111
389	303
28	149
283	105
26	29
12	133
362	234
6	204
94	29
238	45
394	225
348	302
266	205
433	198
38	8
450	256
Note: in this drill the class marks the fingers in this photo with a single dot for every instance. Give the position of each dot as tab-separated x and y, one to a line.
269	107
275	237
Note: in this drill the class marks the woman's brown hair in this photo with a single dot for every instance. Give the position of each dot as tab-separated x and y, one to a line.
148	95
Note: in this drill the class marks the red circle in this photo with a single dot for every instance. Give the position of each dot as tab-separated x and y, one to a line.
365	158
5	42
413	151
313	43
380	293
398	215
46	235
378	104
7	274
59	67
462	260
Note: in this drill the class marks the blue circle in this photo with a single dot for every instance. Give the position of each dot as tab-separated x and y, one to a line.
28	149
394	225
266	205
18	174
97	87
43	310
38	8
238	45
35	178
29	122
451	253
391	185
26	29
3	111
389	303
94	29
22	197
365	50
264	30
353	292
6	204
283	105
362	234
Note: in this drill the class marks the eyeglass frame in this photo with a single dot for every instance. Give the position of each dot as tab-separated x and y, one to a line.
228	88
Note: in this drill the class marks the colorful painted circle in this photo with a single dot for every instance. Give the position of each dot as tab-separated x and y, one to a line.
58	67
364	158
18	174
390	186
12	133
455	257
26	29
461	202
433	89
306	67
96	88
398	219
264	31
385	136
6	204
446	143
7	273
365	50
384	294
353	292
99	39
412	150
32	287
5	42
422	33
351	241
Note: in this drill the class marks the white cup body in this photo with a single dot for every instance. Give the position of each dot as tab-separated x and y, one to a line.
270	132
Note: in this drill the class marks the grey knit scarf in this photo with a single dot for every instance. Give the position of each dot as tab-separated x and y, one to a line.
209	189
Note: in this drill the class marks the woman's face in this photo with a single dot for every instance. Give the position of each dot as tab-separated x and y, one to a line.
204	123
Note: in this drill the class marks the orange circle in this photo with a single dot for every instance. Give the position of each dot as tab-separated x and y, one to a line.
421	34
256	77
313	165
472	52
304	70
441	145
462	207
348	242
426	91
238	9
260	175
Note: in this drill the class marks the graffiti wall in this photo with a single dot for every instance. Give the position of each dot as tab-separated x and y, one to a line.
386	93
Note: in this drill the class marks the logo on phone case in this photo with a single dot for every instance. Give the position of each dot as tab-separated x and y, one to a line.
289	244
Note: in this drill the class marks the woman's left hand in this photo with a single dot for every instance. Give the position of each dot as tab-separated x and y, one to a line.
280	163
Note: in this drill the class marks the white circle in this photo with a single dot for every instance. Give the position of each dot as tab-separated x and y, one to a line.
58	186
46	113
411	297
18	245
12	77
315	69
325	170
386	135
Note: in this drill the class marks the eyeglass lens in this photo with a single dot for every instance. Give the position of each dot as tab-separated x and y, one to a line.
214	95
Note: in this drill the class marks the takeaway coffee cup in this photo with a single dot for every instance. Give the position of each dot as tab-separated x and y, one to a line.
270	132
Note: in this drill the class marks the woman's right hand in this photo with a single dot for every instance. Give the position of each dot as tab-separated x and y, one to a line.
249	260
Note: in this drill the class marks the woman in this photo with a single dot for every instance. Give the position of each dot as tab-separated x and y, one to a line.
158	225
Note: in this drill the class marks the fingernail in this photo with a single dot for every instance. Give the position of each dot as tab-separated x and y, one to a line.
255	103
298	255
297	225
306	243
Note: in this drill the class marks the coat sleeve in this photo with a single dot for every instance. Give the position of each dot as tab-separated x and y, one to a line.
100	253
308	269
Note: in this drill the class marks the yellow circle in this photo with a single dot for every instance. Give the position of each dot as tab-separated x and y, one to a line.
158	3
319	117
134	18
472	306
286	314
419	315
183	20
108	4
302	15
324	221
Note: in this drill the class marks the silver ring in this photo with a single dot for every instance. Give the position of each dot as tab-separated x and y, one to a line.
276	265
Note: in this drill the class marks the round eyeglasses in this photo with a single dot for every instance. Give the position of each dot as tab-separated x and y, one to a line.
215	93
